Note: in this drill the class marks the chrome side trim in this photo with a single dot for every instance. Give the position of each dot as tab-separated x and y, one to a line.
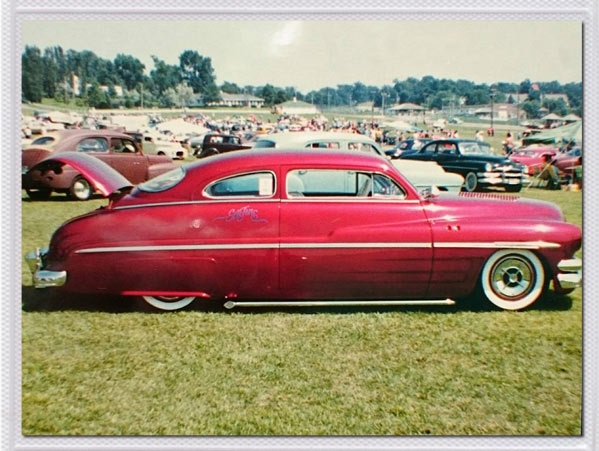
177	247
232	304
356	245
363	245
197	202
202	247
500	245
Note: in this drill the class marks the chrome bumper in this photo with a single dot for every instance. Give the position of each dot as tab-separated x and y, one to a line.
501	178
571	276
42	278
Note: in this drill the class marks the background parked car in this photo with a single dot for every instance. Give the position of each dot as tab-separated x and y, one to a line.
157	145
117	149
406	146
215	143
570	161
319	140
533	157
475	161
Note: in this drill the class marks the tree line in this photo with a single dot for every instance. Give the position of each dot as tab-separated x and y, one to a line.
89	80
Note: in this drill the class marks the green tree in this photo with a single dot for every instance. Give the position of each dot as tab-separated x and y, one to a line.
96	97
532	108
230	88
197	72
180	96
164	76
129	69
32	69
557	106
50	73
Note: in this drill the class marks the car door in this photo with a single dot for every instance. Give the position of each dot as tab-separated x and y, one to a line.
236	232
447	155
349	234
125	157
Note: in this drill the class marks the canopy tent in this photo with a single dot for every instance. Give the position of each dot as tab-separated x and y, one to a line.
60	117
571	133
181	127
572	118
131	123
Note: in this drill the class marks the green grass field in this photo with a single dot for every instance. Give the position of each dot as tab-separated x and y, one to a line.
97	366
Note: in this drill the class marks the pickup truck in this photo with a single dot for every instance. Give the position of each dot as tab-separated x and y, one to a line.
215	143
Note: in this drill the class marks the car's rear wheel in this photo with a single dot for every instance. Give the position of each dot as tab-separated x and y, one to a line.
80	189
39	194
470	182
169	303
513	279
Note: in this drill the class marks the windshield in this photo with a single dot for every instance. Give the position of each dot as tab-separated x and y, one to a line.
164	181
476	148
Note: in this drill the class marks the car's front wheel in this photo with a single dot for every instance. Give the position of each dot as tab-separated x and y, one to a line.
169	303
80	189
513	279
470	182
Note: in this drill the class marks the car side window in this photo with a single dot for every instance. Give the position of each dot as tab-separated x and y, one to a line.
324	145
448	149
340	183
119	145
362	147
92	145
256	184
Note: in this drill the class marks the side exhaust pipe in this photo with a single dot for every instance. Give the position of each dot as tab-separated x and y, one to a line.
233	304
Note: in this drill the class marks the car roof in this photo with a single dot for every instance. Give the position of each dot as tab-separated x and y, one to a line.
290	138
271	158
63	139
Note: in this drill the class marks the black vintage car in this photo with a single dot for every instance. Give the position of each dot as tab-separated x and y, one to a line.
406	146
475	161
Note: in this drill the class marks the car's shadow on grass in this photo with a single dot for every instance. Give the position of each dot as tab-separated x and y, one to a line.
60	198
36	300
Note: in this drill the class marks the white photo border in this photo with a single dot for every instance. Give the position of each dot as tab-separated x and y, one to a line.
14	12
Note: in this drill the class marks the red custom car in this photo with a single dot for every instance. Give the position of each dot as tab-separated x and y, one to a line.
533	157
253	228
568	161
116	149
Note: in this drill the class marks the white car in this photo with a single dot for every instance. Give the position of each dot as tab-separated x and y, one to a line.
156	144
424	174
319	140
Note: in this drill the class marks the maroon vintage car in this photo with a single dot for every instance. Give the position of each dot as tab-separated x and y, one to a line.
119	150
263	227
533	157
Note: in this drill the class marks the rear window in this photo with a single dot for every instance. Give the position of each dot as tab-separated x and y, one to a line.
43	141
264	144
164	181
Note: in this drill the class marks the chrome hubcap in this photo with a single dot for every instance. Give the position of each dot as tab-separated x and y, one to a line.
513	278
